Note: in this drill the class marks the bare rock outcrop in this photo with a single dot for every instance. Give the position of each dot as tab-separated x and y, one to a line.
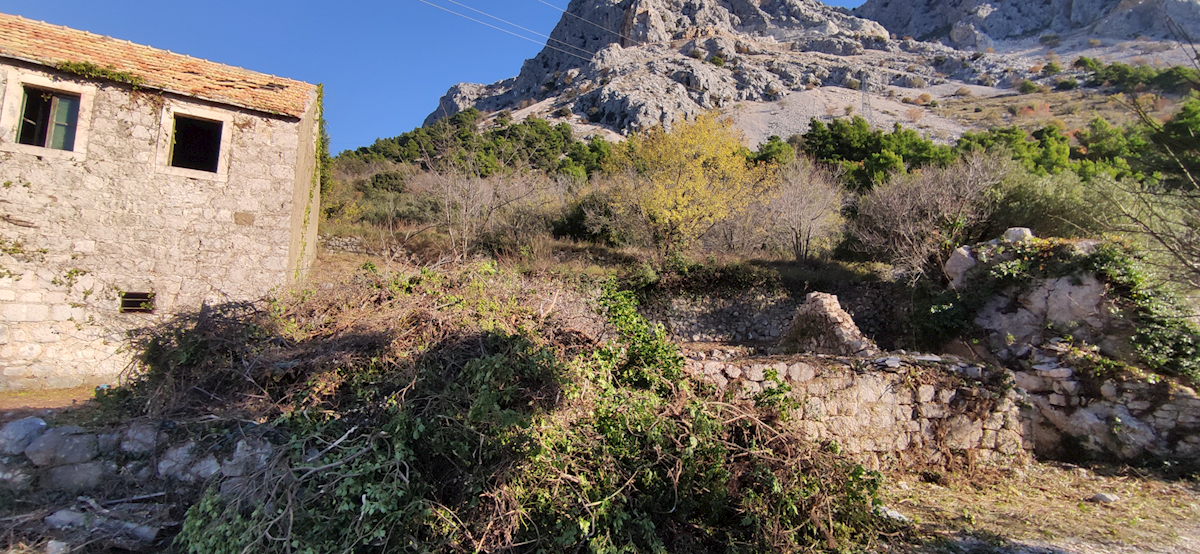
976	23
632	65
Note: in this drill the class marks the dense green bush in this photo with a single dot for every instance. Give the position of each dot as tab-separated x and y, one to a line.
870	156
499	443
1127	78
457	143
1070	83
1060	205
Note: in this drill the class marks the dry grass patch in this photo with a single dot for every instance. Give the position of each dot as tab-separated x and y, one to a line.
1073	109
1052	503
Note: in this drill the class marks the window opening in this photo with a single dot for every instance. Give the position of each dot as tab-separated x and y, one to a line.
48	119
137	302
196	143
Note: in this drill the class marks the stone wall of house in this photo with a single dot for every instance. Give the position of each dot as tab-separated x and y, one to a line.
898	411
78	232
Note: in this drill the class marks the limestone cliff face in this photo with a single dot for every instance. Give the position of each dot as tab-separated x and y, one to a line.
962	22
629	64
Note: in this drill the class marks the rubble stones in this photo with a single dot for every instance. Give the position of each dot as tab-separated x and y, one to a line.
821	325
15	477
74	477
140	438
16	436
62	446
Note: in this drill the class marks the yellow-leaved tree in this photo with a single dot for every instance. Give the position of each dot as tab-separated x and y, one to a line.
686	180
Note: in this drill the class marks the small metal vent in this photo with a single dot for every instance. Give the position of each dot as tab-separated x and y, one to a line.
137	302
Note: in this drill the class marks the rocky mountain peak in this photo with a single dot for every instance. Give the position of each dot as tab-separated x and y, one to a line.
979	23
626	65
601	40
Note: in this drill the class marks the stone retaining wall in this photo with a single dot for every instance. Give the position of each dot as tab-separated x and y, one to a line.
895	412
1126	415
749	317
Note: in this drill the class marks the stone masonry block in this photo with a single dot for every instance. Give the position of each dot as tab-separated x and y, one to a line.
60	312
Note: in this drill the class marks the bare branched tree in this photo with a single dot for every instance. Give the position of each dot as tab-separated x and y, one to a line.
915	218
800	211
807	206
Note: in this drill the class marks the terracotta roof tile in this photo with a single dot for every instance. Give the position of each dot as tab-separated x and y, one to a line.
46	44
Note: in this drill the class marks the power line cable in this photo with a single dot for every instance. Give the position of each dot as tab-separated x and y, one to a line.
547	37
597	25
503	30
685	86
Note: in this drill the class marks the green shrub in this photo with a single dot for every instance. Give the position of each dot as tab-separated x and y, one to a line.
1051	206
1027	87
1066	84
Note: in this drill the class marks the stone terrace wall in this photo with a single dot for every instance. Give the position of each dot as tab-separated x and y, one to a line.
895	412
115	219
757	316
1127	415
748	317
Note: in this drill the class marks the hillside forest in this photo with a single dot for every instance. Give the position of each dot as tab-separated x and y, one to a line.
842	192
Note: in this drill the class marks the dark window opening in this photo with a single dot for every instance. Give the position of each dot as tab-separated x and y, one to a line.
196	143
137	302
48	119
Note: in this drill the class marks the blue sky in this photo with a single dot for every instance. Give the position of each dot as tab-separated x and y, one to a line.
384	63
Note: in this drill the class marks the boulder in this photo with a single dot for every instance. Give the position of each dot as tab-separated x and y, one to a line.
956	267
140	438
62	446
1017	234
16	436
176	461
74	478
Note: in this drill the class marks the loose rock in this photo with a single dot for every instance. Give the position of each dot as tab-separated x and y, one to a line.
17	435
62	446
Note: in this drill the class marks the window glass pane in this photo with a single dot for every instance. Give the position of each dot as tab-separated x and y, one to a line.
35	117
66	113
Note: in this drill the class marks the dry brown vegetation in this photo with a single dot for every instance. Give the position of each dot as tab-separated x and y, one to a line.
1074	109
1050	505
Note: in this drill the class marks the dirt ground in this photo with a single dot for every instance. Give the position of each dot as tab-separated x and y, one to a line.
1049	508
41	403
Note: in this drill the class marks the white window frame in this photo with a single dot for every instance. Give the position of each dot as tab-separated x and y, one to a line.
10	113
166	131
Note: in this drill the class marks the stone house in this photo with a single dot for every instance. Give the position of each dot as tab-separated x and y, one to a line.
136	183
